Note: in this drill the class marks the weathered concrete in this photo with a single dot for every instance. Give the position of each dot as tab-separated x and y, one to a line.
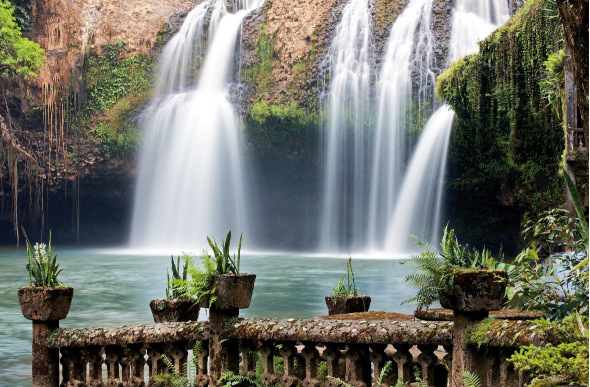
346	332
129	334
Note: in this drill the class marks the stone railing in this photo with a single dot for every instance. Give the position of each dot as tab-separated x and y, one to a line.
289	351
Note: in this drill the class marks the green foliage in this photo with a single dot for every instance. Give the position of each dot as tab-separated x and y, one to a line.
176	287
201	285
563	363
230	378
261	73
554	231
18	55
21	15
553	87
117	86
180	378
42	264
471	380
437	271
225	264
557	285
342	290
506	145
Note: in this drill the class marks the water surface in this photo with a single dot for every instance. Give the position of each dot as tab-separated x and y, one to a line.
115	287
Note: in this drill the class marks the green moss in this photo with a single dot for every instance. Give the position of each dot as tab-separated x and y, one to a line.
260	74
283	129
507	142
565	361
116	87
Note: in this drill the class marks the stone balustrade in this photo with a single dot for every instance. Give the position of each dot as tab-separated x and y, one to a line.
290	351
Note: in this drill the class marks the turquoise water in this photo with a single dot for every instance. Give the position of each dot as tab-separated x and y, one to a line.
114	288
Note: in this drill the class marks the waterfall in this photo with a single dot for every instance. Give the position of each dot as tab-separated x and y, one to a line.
419	206
345	133
191	181
409	51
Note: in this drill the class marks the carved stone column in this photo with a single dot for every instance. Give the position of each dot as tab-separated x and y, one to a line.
223	354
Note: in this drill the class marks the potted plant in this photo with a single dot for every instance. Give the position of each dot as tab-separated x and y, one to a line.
219	283
461	279
178	306
345	298
46	298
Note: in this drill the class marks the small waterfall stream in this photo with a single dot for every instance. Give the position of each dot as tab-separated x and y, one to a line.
347	107
409	51
419	206
192	178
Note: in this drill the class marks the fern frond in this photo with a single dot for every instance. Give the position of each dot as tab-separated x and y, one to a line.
471	380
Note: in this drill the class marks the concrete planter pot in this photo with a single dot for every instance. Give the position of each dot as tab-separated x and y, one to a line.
476	291
45	304
174	310
348	304
233	291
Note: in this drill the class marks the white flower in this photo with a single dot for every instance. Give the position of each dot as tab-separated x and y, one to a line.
40	252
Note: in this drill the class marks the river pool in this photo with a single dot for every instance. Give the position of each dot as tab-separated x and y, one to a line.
114	287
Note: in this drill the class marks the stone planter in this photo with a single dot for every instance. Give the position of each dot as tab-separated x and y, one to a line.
174	310
45	304
234	291
476	291
349	304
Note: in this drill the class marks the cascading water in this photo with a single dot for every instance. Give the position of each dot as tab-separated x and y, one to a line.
345	135
192	176
418	208
409	51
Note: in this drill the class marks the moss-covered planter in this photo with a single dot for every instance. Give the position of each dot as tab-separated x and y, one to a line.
45	304
233	291
348	304
475	291
174	310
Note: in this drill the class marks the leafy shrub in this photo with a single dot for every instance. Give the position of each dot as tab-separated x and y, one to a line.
563	363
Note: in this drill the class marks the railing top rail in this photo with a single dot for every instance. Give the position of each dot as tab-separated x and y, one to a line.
513	334
344	331
129	334
491	332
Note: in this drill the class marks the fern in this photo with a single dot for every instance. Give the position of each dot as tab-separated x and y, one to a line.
386	369
230	378
176	378
471	380
340	381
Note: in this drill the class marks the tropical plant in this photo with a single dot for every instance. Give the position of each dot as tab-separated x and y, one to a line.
557	285
176	288
554	231
42	264
436	271
348	289
225	264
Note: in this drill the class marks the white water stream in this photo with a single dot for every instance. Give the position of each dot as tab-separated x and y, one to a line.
419	206
347	107
192	176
